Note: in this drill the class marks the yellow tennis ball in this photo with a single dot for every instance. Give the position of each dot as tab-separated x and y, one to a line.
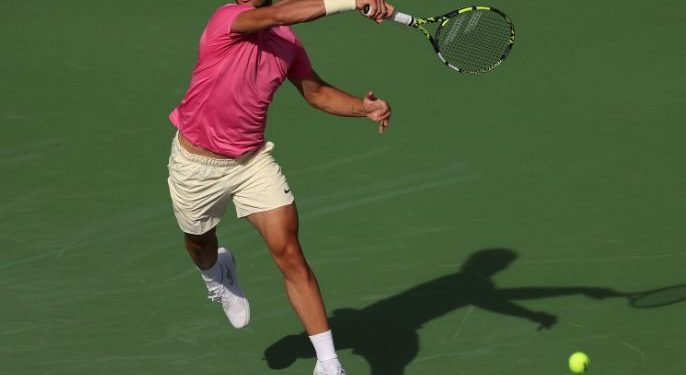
578	362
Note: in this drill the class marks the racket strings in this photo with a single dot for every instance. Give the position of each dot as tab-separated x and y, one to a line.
488	38
475	41
478	48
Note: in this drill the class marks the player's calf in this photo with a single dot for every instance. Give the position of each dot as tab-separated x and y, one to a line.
202	248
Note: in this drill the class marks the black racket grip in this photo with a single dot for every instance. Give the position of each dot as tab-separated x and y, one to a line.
366	9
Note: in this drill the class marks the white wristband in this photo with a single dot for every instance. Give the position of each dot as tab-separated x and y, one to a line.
339	6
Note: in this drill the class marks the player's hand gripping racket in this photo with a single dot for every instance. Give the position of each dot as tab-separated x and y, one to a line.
474	39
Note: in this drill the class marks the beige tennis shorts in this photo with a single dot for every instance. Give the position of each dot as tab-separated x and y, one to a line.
201	187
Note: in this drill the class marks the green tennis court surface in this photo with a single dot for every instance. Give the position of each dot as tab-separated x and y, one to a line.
495	203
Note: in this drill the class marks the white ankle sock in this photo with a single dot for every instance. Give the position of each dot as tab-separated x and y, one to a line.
326	353
212	274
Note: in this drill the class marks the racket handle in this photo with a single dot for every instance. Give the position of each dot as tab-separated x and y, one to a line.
398	17
403	18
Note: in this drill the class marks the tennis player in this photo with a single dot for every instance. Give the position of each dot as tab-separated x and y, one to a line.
220	153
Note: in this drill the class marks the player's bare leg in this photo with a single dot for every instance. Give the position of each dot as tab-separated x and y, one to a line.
202	248
279	228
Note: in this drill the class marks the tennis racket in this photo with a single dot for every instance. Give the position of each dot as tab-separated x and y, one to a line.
474	39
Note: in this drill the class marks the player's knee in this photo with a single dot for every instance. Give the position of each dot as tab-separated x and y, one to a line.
291	261
200	241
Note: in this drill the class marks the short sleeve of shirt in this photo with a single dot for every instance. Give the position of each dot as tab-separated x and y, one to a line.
300	67
220	24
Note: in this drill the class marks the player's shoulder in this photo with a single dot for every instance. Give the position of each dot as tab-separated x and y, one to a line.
228	10
221	19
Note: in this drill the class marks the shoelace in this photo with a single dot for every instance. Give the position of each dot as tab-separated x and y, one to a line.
340	371
216	294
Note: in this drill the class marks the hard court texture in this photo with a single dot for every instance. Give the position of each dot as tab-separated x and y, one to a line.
495	205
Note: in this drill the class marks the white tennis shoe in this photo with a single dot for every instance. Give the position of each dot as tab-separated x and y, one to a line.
228	293
319	370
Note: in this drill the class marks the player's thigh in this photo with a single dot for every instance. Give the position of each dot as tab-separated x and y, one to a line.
199	191
279	228
263	185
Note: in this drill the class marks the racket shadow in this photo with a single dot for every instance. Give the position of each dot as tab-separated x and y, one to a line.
657	297
385	332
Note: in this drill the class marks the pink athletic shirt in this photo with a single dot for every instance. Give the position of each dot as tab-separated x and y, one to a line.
232	85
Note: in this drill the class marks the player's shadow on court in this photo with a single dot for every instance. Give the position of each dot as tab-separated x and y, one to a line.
385	333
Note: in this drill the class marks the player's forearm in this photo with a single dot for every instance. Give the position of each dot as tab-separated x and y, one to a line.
337	102
289	12
286	12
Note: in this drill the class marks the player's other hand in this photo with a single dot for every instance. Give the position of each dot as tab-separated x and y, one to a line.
377	110
546	321
378	9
